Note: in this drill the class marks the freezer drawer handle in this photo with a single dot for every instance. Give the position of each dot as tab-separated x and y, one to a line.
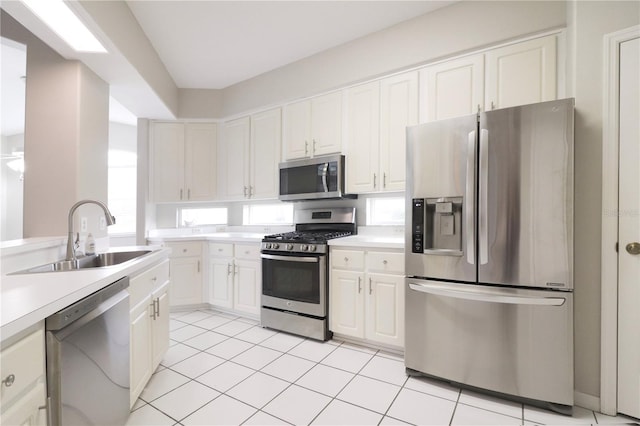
487	295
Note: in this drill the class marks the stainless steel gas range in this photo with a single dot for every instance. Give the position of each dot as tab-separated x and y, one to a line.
295	272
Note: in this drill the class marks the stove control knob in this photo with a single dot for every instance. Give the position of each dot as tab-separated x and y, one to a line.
275	246
312	248
304	247
267	245
289	246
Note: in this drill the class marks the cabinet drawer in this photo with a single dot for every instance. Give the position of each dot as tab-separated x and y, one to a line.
221	249
385	262
347	259
185	249
25	361
247	251
143	284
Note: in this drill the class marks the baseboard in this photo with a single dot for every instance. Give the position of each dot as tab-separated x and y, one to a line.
587	401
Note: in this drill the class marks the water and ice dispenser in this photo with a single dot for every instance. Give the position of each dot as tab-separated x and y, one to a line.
436	226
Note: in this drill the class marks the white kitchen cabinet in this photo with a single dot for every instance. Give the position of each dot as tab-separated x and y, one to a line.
521	73
452	88
313	127
367	295
186	273
378	115
182	156
233	159
235	277
517	74
149	325
22	371
249	153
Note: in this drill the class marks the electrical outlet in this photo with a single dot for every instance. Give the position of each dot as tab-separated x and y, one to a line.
83	224
103	223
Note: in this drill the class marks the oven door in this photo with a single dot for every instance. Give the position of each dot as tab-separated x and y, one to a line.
296	283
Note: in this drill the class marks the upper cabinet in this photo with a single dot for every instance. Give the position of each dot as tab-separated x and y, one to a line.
377	116
516	74
182	158
248	157
313	127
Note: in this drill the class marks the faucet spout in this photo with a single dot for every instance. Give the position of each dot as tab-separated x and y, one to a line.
111	220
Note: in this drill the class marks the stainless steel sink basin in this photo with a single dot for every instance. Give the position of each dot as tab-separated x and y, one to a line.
94	261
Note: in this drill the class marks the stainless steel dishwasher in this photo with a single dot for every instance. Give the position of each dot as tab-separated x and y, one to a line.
88	359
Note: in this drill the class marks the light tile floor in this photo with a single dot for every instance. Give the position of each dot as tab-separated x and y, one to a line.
225	370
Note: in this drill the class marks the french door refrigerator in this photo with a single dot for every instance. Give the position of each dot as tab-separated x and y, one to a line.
489	252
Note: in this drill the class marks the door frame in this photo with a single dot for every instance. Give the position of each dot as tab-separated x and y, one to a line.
609	256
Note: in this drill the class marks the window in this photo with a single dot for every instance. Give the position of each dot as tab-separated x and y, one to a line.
202	216
122	190
385	211
267	214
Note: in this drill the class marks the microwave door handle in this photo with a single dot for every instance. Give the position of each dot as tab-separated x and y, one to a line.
325	172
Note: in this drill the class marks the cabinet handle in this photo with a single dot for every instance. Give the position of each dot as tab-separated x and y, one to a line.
306	147
198	266
181	194
250	190
152	305
370	287
313	151
492	105
236	269
374	181
189	194
359	285
229	269
9	380
244	191
157	303
384	179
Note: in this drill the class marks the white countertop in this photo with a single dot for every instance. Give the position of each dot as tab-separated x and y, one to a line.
369	241
240	237
30	298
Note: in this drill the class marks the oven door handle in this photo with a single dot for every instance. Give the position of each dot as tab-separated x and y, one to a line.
314	259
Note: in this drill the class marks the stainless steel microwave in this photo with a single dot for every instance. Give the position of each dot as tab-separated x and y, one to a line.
313	179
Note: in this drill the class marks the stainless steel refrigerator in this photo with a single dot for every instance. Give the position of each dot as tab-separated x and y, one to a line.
489	252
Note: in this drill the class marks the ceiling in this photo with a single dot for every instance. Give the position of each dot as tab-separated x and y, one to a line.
215	44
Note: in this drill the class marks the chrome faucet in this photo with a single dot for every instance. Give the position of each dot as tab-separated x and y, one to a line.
111	220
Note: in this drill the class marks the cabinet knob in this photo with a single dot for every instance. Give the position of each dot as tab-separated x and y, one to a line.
8	381
384	262
184	250
346	259
154	279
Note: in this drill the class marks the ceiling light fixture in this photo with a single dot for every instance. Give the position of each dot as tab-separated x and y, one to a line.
57	15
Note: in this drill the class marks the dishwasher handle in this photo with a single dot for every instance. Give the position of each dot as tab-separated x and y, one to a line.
488	295
65	317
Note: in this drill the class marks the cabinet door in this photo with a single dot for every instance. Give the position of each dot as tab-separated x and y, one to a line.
247	286
200	162
385	309
167	161
221	282
398	109
160	324
521	73
347	303
266	139
452	88
29	410
297	130
140	348
363	131
186	281
326	124
233	161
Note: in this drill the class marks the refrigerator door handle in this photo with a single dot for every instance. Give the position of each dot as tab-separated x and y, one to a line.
489	295
470	199
483	236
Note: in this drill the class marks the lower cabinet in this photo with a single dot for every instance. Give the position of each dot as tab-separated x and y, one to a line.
22	391
149	325
186	273
235	276
367	295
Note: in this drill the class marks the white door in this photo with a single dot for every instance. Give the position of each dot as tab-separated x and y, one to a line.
246	291
167	161
266	139
363	130
326	124
385	309
297	130
521	73
452	88
629	232
347	303
160	324
140	349
233	162
221	282
398	109
200	170
186	281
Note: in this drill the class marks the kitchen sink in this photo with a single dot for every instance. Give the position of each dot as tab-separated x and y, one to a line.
87	262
